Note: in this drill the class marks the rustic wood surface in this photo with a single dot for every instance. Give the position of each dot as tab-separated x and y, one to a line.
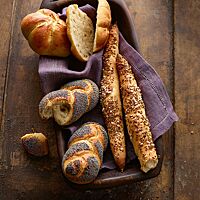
169	35
187	100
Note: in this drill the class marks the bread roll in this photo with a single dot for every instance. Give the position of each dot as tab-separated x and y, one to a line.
70	102
102	25
110	99
35	144
136	120
80	31
83	159
46	33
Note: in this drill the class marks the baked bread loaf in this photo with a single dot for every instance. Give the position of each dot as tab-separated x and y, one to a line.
69	103
136	120
83	159
46	33
110	99
103	24
35	144
80	31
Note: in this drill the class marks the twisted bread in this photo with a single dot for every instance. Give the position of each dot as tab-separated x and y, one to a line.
110	99
136	120
83	159
46	33
70	102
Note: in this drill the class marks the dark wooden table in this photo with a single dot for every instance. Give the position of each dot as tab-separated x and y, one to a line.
169	37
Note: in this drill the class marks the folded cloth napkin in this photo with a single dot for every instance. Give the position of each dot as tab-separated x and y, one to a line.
54	72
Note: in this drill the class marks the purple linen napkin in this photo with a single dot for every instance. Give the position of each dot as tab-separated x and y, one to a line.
54	72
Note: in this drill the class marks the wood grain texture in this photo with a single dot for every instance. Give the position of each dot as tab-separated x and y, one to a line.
25	177
187	98
6	29
22	95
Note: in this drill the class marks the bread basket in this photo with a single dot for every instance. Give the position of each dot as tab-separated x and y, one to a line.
132	173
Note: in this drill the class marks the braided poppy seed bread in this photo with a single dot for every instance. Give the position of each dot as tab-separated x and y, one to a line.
83	159
110	99
70	102
83	85
136	120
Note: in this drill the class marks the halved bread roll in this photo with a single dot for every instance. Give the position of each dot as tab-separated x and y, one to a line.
102	25
80	31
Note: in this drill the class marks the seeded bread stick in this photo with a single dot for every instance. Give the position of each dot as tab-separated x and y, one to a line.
136	120
110	99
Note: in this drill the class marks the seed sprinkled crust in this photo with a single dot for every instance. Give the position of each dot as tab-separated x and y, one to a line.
110	99
136	120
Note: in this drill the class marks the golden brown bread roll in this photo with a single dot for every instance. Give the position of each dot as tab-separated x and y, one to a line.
35	144
83	159
110	99
46	33
103	24
136	120
70	102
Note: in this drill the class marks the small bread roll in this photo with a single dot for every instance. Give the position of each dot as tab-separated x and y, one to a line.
46	33
35	144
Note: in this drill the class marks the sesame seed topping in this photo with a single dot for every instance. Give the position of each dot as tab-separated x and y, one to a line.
136	120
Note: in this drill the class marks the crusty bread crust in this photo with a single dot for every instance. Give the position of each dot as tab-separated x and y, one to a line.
110	99
69	103
80	32
83	159
46	33
136	120
102	25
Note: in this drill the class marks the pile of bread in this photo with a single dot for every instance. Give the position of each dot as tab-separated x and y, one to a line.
47	34
119	93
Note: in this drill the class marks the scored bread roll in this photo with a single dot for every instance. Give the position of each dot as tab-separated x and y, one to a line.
46	33
102	25
83	159
80	31
110	99
136	120
69	103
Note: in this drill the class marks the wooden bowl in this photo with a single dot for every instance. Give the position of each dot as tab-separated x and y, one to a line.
132	173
